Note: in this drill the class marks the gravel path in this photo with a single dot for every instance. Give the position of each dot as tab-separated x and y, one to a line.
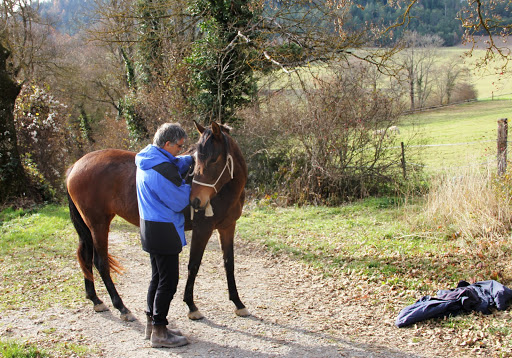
295	313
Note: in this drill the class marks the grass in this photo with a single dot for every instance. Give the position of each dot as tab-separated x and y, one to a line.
383	245
488	81
38	269
455	136
369	238
375	242
37	255
11	349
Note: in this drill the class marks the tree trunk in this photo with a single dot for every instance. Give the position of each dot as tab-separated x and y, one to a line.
13	180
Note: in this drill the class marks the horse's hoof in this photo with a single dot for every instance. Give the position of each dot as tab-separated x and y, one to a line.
195	315
100	307
128	317
243	312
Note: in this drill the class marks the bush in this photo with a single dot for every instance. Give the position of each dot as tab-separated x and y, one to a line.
42	132
464	92
329	145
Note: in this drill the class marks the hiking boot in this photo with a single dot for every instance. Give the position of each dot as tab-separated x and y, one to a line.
161	337
149	329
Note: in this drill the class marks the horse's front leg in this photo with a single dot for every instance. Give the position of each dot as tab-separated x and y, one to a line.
226	241
200	237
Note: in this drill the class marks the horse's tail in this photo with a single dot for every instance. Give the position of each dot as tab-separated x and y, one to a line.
85	249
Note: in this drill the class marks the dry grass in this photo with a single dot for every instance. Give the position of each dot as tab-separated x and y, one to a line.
474	203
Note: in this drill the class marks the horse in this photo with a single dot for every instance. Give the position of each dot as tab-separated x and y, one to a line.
101	185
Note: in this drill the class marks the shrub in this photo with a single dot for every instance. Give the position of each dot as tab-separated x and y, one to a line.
328	145
464	92
42	133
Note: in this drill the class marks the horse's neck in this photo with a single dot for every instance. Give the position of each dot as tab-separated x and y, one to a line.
240	169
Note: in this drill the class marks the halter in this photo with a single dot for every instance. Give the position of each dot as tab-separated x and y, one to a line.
229	165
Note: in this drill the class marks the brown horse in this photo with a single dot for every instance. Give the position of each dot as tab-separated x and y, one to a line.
101	185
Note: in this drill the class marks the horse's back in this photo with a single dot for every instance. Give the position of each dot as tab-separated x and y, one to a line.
103	183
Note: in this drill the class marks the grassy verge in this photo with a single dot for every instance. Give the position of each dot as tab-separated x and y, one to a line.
380	244
37	255
374	238
38	270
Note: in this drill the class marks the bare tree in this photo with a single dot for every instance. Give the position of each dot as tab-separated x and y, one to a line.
417	62
447	77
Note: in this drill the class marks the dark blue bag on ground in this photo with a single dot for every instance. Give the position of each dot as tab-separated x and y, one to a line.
480	296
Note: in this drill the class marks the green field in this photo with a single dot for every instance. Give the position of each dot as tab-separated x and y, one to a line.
489	81
455	136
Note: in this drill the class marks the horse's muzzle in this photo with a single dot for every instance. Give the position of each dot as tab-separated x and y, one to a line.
196	203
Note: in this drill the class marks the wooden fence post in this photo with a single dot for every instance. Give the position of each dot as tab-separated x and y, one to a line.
502	145
403	160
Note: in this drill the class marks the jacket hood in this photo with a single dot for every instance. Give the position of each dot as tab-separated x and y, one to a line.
151	156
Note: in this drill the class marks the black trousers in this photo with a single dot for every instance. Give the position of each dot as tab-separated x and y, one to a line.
163	285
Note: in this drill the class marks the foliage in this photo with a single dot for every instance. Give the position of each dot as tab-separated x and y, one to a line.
129	110
433	17
221	59
42	133
85	126
155	82
12	176
68	16
150	42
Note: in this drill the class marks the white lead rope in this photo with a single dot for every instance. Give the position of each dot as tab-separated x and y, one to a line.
209	210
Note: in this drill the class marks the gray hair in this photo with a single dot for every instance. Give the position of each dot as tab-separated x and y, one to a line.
168	132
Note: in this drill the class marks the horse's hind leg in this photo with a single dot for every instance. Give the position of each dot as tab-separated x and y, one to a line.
226	241
200	237
85	255
102	263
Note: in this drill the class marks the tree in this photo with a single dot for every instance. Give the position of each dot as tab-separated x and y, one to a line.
490	19
221	59
417	62
148	39
13	181
447	77
22	52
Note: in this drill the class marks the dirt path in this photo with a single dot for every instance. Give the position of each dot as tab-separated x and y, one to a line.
295	313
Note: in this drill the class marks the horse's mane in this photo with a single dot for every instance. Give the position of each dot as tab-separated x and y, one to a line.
205	146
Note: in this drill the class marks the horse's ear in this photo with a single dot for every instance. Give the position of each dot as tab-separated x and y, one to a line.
199	127
216	130
225	128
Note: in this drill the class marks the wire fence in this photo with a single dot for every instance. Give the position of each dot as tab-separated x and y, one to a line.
484	160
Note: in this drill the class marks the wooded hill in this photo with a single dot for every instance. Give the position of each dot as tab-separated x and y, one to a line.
431	17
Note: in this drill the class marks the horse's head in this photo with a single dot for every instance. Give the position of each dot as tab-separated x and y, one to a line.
214	165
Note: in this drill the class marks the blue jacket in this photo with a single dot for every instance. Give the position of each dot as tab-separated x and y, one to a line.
162	196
